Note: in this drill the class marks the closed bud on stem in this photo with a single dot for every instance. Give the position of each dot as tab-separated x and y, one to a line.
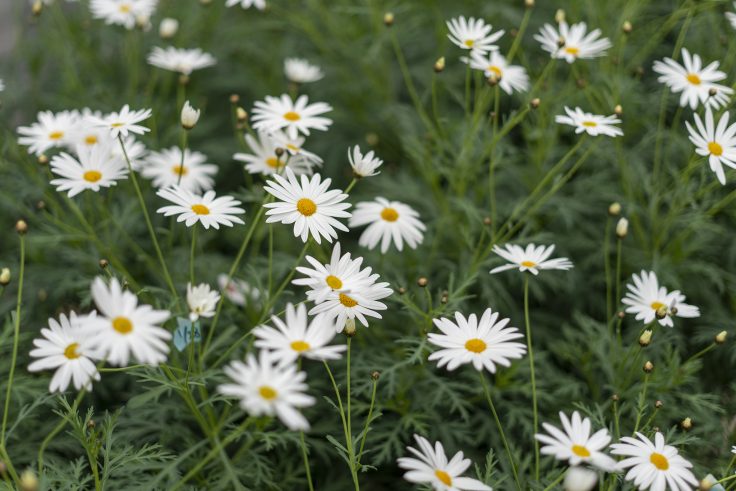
43	159
402	290
621	314
189	116
21	227
439	65
28	481
349	329
41	205
615	398
493	80
388	19
705	485
487	221
618	110
234	98
686	424
241	114
279	151
375	374
91	424
720	337
658	404
422	282
622	228
37	7
614	209
661	312
3	468
648	367
528	3
4	277
712	92
168	27
645	338
561	42
560	16
627	27
104	263
535	103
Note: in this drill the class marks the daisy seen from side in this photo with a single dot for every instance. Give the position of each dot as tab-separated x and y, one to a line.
473	34
202	301
122	122
165	169
578	42
645	297
532	258
510	78
364	165
180	60
300	71
592	124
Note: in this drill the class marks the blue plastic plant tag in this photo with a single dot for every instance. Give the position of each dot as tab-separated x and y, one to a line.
183	334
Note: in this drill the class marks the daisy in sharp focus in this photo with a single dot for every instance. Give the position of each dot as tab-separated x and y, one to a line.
485	343
295	337
180	60
165	169
308	205
645	297
430	465
388	221
264	160
124	328
259	4
294	117
655	466
300	71
578	43
532	259
207	209
266	388
237	291
202	301
575	444
364	165
589	123
94	168
718	143
52	130
694	81
510	78
122	122
126	13
360	302
473	34
64	346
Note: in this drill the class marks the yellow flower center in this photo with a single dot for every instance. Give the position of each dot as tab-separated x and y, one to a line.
90	140
274	163
92	176
444	477
124	8
122	325
347	301
306	207
475	345
469	43
333	282
71	351
497	71
528	264
56	135
292	116
180	170
656	305
693	78
299	346
268	393
292	147
200	209
590	124
580	451
715	149
389	214
659	461
117	125
572	50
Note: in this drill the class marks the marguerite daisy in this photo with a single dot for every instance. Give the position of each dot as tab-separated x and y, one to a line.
293	116
184	61
531	259
473	34
294	338
96	167
364	165
694	81
165	169
51	131
266	388
264	160
300	71
202	301
495	67
360	302
259	4
716	143
206	209
485	343
645	298
577	44
85	133
125	13
589	123
125	328
575	444
238	292
64	346
654	466
432	467
120	123
387	221
309	206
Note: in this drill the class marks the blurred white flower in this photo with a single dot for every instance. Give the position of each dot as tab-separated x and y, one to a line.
168	28
202	301
363	165
126	13
166	170
293	116
301	71
238	292
589	123
694	81
180	60
494	66
95	167
189	116
50	131
122	122
578	43
207	209
472	34
264	160
579	479
259	4
718	143
387	221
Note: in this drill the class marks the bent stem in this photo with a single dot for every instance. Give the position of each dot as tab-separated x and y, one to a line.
531	369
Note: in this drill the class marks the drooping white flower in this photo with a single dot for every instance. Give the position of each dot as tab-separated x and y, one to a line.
645	297
694	81
718	143
202	301
294	117
364	165
301	71
578	42
388	221
575	444
180	60
473	34
592	124
533	258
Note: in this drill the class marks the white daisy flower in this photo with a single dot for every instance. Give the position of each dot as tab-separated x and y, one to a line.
575	444
510	77
387	221
577	44
236	291
645	297
485	343
432	467
202	301
580	479
120	123
360	302
64	346
300	71
732	17
294	117
126	13
86	133
294	147
125	328
95	167
341	274
472	34
294	338
2	85
264	160
363	165
184	61
716	143
531	259
206	209
259	4
589	123
165	169
694	81
266	388
309	206
50	131
654	466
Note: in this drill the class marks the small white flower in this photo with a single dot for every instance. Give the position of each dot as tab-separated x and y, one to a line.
266	388
165	169
180	60
293	116
645	297
301	71
264	160
589	123
202	301
473	34
509	77
732	17
64	346
120	123
238	292
718	143
430	465
51	131
531	259
259	4
126	13
360	302
209	210
189	116
168	28
387	221
96	167
363	165
694	81
575	444
579	479
577	44
2	85
485	343
654	466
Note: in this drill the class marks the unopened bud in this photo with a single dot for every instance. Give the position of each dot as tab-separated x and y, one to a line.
189	116
21	227
422	281
705	485
614	209
493	80
28	481
3	468
581	83
658	404
5	277
41	205
241	114
627	27
487	221
375	374
43	159
372	139
561	42
279	151
104	263
388	19
712	92
721	337
402	290
168	27
618	110
648	367
439	65
535	103
661	312
37	7
234	98
645	338
621	314
42	295
622	228
91	424
615	398
349	329
528	3
686	424
560	16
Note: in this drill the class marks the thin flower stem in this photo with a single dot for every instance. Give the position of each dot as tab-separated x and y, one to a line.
617	298
349	442
700	353
640	411
408	81
556	481
519	35
184	135
367	422
348	439
351	185
726	479
57	430
534	380
616	427
306	461
191	255
607	269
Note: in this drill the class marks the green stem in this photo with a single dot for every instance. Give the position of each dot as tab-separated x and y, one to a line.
367	421
534	380
306	461
184	134
57	430
191	255
519	35
351	185
640	411
555	482
349	442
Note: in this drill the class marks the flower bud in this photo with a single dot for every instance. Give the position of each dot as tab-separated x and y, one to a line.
580	479
658	404
528	3
712	92
618	110
21	227
439	65
168	27
648	367
614	209
645	338
5	277
402	290
560	16
627	27
28	481
189	116
687	424
620	314
43	159
234	98
705	485
349	329
37	7
622	228
615	398
104	263
422	282
561	42
661	312
375	374
241	114
535	103
720	337
388	19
